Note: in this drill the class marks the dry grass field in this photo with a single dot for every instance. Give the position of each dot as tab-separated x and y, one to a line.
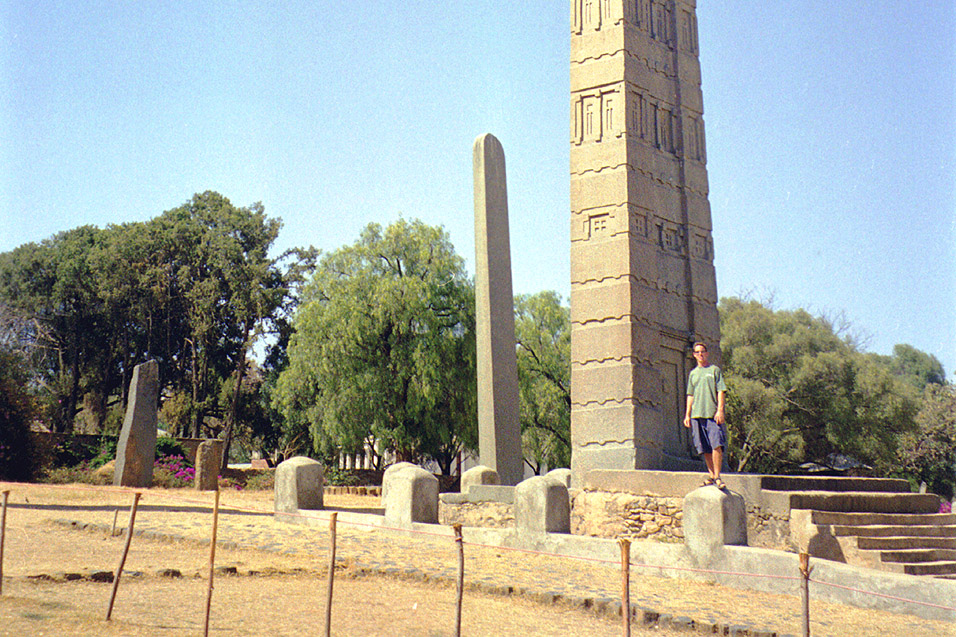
281	572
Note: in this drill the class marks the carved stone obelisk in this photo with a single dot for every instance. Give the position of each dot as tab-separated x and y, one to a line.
643	286
499	432
136	449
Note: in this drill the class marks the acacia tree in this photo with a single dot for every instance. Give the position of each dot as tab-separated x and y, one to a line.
799	393
384	348
191	288
928	454
543	335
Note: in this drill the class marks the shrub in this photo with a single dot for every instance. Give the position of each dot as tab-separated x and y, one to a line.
264	481
173	472
106	451
340	477
81	474
167	446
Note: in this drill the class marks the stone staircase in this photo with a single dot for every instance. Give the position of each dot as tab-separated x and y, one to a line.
876	523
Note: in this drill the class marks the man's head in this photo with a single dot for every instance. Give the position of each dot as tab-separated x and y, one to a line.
700	354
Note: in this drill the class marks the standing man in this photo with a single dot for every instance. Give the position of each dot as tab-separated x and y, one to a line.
705	413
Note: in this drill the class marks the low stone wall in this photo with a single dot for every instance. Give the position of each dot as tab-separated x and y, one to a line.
495	515
610	515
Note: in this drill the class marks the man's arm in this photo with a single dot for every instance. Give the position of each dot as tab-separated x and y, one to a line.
690	404
719	416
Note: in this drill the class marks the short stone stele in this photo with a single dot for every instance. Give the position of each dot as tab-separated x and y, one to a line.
479	474
298	485
389	471
208	461
713	518
136	449
411	496
542	505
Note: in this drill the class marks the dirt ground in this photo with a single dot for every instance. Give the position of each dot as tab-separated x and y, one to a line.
282	572
286	597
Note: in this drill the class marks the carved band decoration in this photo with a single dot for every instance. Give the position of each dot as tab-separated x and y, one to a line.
591	15
595	115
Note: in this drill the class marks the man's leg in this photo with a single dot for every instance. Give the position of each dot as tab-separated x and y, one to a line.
715	461
709	460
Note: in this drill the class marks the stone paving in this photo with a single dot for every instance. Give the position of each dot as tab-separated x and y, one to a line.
668	603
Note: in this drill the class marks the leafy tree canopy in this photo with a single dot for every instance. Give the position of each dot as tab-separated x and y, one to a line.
543	334
800	393
384	348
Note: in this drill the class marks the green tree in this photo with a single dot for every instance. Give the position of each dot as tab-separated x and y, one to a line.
16	413
928	454
384	348
543	334
53	284
800	393
916	367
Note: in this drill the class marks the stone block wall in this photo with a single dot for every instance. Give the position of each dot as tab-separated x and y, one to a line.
607	514
497	515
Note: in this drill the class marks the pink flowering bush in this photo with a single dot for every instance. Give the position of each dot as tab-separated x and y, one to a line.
945	507
173	472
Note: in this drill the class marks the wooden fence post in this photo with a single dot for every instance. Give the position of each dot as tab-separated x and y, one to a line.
3	533
805	592
626	584
129	538
212	559
328	597
460	588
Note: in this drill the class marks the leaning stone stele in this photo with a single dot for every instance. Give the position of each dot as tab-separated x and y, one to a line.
499	431
136	449
208	463
643	286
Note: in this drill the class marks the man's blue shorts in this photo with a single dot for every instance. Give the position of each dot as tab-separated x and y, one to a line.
707	434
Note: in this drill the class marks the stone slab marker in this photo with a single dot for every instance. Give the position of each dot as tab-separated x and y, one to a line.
499	432
712	519
299	484
136	449
208	462
412	496
542	505
643	286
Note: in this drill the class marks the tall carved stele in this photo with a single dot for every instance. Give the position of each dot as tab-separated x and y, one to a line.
643	286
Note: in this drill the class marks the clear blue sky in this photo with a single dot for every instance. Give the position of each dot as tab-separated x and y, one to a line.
831	131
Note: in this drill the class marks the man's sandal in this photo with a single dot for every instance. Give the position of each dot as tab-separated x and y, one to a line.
708	482
719	484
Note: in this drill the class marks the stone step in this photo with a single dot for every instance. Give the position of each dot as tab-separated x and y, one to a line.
894	530
930	568
865	502
857	519
921	556
896	542
834	484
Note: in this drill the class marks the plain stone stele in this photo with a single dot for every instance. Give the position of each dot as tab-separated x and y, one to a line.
208	461
542	505
412	496
478	475
713	518
389	471
499	432
136	449
299	484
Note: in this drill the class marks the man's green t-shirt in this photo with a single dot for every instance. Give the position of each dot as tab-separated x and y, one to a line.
703	385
